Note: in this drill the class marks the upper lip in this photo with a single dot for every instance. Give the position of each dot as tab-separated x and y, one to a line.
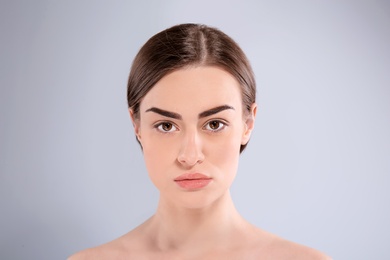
191	176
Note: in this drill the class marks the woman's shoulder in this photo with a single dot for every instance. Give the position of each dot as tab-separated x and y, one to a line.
105	251
280	248
122	247
89	253
290	250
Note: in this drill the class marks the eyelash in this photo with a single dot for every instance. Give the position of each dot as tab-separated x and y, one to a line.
223	124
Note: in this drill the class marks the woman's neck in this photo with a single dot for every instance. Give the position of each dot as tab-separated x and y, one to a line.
195	229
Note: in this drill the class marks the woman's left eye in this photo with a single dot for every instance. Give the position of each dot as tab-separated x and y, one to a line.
215	126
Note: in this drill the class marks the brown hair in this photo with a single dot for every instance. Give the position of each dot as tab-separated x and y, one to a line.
188	45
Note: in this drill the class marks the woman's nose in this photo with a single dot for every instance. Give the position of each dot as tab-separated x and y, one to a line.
191	152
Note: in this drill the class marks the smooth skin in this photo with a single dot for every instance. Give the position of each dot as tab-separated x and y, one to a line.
192	121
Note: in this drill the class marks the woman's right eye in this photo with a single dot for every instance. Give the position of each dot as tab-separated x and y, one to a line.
166	127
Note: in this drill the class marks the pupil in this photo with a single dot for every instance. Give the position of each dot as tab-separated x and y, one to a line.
167	126
214	125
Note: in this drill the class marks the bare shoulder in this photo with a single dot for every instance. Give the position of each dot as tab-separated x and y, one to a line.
106	251
121	248
90	253
283	249
269	246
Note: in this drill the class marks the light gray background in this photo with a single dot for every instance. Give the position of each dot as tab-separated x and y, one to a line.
316	170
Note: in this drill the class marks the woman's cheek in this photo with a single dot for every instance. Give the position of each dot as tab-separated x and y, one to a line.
224	153
159	155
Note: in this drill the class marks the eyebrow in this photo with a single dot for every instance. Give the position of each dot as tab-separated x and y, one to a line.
214	110
164	113
174	115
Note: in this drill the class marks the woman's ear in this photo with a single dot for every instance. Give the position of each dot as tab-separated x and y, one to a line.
249	124
136	124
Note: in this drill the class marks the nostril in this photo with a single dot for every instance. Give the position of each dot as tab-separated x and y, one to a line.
190	157
190	160
191	151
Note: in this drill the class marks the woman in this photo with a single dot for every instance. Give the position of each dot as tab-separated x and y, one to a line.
191	96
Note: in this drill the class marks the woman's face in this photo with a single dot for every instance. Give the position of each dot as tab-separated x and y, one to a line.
191	126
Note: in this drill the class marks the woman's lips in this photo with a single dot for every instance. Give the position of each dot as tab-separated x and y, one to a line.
192	181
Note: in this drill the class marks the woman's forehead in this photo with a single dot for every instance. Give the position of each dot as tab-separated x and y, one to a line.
194	88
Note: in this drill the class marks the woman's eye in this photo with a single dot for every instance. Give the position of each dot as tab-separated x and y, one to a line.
166	127
215	126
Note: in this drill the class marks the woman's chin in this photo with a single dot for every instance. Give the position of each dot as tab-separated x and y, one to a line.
197	200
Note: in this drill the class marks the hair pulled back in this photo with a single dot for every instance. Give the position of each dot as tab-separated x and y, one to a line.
187	45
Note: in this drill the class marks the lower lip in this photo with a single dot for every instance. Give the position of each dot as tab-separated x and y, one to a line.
193	184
